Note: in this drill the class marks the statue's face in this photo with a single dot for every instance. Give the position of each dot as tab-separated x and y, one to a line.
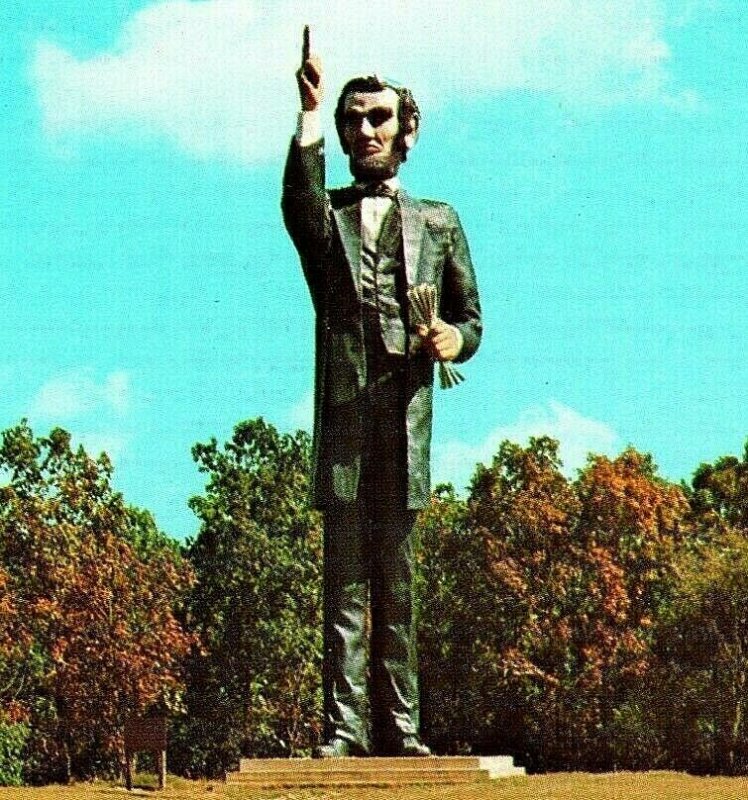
370	130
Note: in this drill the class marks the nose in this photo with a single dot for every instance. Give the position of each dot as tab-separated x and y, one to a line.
367	129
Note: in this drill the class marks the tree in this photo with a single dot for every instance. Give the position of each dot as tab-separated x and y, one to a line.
99	629
255	687
524	511
703	634
719	493
541	593
449	559
632	528
703	643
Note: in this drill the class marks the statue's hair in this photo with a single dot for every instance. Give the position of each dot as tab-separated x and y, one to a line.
408	113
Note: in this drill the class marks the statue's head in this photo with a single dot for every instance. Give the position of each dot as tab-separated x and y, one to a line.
377	123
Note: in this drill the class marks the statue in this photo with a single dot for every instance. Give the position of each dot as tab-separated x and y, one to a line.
362	248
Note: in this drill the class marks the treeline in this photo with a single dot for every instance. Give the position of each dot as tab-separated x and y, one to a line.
598	622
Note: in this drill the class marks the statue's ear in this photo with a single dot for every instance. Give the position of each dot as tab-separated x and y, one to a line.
410	135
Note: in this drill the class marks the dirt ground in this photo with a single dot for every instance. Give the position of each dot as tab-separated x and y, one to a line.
572	786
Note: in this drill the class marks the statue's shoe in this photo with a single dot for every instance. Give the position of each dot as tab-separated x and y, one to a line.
412	746
339	748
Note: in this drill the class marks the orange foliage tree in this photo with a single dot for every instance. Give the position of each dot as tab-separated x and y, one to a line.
633	527
543	597
99	587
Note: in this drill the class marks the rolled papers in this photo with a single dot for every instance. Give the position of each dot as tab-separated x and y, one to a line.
423	311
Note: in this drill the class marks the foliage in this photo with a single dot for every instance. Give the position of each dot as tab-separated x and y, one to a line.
701	642
704	646
98	628
13	737
255	688
540	595
523	511
633	527
446	590
719	494
584	623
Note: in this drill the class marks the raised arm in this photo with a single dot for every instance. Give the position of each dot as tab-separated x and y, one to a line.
304	201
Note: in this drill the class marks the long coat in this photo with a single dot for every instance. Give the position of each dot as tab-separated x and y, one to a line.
325	228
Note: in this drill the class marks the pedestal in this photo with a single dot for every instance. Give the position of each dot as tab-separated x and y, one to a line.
307	772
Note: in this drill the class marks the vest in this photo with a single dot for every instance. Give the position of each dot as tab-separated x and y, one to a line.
383	289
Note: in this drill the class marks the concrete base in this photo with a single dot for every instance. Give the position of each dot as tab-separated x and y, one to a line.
306	772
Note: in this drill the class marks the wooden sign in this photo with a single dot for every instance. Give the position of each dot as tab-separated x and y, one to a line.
145	733
148	734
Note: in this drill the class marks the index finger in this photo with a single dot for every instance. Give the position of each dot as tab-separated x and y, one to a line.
305	46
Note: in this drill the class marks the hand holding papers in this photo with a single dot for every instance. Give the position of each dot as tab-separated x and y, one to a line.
423	311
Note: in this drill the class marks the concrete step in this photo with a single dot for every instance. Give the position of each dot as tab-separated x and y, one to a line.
305	772
348	777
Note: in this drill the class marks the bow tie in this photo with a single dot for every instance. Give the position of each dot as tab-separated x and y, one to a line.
374	189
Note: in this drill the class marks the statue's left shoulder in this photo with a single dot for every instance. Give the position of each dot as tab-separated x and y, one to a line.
438	215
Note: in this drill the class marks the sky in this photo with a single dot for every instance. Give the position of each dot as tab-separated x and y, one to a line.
596	152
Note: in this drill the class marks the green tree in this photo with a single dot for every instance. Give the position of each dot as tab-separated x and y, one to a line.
449	567
703	635
255	686
719	494
703	642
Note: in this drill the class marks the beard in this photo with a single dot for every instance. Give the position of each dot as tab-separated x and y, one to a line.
375	166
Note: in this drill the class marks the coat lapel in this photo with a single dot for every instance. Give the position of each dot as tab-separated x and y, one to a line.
349	228
413	225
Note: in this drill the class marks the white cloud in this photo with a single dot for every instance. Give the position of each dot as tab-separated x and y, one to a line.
77	393
92	410
216	76
116	391
301	415
578	436
113	444
690	10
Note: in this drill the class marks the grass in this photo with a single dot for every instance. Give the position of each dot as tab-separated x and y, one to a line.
567	786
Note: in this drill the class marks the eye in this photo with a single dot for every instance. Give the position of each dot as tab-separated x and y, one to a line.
352	118
379	116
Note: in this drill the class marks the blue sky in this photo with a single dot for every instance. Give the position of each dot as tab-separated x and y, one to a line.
596	153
